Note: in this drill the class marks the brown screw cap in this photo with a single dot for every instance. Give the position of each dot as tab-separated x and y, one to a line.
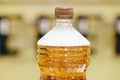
63	13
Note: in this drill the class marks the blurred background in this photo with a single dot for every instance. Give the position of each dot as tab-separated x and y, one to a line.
23	22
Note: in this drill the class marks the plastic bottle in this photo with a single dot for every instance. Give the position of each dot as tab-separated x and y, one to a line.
63	53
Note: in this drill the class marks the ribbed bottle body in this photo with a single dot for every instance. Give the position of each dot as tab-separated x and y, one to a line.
63	62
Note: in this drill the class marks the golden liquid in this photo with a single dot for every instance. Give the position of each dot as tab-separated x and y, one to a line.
63	63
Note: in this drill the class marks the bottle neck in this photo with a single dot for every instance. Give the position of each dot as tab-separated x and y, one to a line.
63	22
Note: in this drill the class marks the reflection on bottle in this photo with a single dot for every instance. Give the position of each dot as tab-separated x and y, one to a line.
118	36
4	31
83	25
43	26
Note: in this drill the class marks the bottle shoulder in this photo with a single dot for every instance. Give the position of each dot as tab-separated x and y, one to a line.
63	36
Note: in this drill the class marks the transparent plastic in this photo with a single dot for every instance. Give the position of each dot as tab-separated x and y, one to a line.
63	53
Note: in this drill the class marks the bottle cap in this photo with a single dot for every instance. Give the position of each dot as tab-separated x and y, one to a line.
63	13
